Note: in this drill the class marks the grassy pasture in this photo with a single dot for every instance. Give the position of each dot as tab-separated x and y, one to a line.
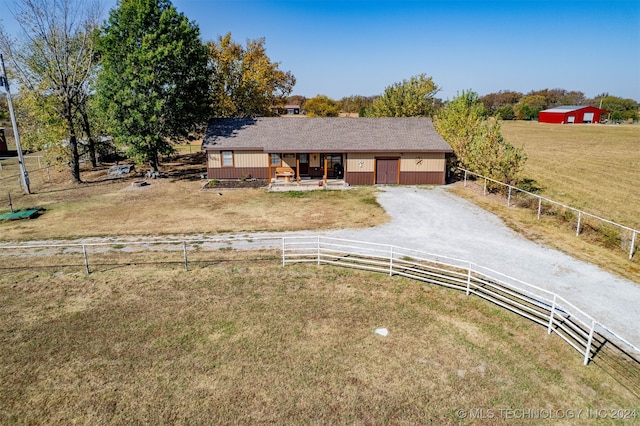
594	168
245	341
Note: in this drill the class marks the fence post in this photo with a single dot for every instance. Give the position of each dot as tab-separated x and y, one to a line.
48	174
579	220
539	206
484	191
390	261
465	178
86	259
553	310
509	197
587	350
633	244
468	279
318	250
186	262
283	248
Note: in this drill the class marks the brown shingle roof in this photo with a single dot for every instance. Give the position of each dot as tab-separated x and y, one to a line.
275	134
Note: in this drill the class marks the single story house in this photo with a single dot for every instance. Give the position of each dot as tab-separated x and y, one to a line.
362	151
571	114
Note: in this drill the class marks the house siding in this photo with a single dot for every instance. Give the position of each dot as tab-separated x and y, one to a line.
241	159
422	162
360	162
238	172
422	178
419	168
359	178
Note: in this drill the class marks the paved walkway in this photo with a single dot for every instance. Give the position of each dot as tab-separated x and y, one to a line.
436	221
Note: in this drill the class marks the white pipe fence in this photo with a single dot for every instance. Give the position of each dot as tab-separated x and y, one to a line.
632	233
543	307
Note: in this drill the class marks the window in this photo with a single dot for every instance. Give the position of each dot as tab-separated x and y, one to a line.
275	159
227	158
332	160
335	169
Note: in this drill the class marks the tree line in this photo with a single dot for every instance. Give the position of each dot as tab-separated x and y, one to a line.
505	104
144	78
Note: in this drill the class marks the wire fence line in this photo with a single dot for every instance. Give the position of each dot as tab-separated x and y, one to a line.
585	334
608	232
10	171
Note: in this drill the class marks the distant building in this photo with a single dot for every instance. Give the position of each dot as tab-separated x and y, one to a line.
571	115
292	109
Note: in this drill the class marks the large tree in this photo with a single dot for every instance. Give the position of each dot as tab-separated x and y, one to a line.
54	59
529	106
410	98
244	81
619	108
153	83
321	106
494	102
356	104
477	142
458	123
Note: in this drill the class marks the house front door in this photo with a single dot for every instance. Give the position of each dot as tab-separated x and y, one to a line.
304	164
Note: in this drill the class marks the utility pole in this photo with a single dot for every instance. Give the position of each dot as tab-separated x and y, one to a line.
4	81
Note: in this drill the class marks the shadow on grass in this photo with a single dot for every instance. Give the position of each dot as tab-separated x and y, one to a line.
619	363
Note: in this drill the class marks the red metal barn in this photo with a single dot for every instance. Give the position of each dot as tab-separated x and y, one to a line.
571	115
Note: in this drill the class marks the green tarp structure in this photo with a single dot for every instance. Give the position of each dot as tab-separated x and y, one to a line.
26	214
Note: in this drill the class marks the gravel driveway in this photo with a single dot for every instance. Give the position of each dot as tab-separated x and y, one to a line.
436	221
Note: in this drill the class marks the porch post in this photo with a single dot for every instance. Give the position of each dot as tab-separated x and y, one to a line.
298	168
326	163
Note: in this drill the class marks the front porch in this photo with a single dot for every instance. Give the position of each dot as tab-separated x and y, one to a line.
308	184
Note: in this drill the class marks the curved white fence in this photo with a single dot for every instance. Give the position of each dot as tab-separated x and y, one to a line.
541	306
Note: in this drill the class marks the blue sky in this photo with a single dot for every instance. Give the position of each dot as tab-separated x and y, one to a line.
341	48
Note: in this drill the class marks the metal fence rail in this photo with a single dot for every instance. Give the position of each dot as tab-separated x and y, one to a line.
555	313
611	231
543	307
87	255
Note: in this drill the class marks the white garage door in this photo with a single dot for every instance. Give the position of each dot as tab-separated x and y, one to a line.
588	117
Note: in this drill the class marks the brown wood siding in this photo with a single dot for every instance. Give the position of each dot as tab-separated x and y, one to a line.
422	178
359	178
238	172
